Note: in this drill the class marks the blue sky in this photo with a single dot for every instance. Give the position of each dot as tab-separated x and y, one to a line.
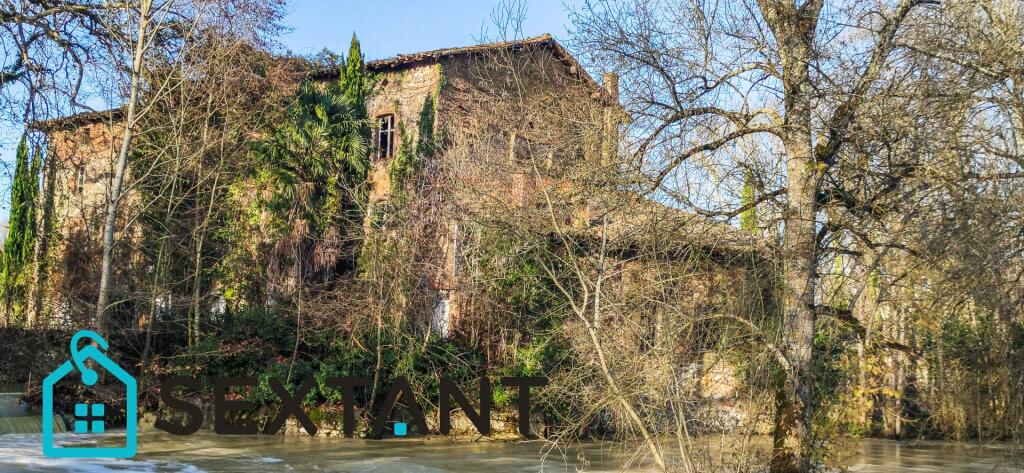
385	28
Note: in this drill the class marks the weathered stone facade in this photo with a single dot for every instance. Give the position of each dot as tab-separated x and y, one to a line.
400	93
81	153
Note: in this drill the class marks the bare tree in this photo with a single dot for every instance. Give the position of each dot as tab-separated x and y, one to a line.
550	218
143	35
814	86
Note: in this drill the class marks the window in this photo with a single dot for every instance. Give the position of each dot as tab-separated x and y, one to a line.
385	136
216	120
440	322
219	307
80	180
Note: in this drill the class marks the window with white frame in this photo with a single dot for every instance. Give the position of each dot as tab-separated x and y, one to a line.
385	136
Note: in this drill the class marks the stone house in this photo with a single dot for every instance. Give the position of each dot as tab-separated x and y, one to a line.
500	105
520	97
499	93
461	82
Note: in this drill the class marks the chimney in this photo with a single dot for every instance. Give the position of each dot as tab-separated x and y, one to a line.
610	83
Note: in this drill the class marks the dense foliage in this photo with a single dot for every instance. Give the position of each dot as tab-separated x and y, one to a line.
19	246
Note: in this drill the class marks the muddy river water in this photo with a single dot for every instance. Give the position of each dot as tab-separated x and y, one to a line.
202	452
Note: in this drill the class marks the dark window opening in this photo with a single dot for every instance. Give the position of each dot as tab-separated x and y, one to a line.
385	135
80	180
216	120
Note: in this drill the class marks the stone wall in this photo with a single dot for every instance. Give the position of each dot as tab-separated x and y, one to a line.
400	93
84	158
78	171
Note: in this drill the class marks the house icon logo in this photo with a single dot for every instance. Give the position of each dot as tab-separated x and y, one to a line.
89	418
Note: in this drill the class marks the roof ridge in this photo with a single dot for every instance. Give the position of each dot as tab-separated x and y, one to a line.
405	58
488	45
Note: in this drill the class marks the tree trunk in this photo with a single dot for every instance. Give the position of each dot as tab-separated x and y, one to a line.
106	267
792	431
197	274
794	32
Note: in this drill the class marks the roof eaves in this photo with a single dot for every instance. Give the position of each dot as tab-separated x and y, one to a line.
77	120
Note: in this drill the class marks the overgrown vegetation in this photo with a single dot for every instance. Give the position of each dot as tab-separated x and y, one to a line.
813	232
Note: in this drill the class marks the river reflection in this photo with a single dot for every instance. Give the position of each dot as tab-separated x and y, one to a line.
204	452
883	456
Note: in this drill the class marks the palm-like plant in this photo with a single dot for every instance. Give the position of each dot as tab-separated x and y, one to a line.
316	164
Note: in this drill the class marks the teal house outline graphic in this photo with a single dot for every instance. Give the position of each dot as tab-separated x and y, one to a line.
89	378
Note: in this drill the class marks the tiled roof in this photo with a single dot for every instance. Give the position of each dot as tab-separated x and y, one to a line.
77	120
402	60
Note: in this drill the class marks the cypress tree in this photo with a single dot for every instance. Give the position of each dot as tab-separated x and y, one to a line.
354	87
353	81
21	238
